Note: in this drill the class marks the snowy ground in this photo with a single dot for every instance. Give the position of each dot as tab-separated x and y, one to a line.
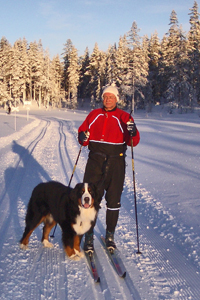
167	164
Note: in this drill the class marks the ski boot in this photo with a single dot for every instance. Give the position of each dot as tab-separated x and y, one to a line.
88	245
110	244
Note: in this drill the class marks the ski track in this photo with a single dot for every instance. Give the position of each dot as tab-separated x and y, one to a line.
46	150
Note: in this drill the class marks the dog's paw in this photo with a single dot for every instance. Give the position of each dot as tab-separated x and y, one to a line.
79	253
47	244
75	257
23	247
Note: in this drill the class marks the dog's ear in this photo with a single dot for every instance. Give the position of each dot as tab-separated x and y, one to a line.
76	192
96	192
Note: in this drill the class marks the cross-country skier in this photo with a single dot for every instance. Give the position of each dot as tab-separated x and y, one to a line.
107	131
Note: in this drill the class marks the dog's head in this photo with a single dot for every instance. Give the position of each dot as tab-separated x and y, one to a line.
87	195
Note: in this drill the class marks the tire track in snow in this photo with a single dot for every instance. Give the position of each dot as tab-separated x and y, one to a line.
14	182
67	143
65	160
10	227
50	273
66	155
68	269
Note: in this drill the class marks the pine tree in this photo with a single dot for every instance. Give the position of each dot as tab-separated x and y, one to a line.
110	65
145	71
145	91
24	67
138	64
173	62
4	78
194	53
67	50
153	76
121	69
84	78
171	51
73	76
71	73
182	85
55	77
163	76
19	70
35	56
96	71
46	80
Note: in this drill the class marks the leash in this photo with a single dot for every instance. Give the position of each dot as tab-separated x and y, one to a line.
53	235
134	188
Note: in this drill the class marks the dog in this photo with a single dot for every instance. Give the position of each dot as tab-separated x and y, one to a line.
74	209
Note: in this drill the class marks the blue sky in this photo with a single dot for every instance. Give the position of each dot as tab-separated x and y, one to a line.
87	21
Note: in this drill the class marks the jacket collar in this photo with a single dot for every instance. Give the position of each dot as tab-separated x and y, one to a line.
109	110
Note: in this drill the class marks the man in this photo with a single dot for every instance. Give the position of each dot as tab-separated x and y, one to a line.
107	131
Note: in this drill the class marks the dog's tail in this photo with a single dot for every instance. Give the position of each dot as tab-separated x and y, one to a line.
36	206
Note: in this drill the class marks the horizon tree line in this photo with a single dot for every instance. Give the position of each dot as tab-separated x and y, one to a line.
146	70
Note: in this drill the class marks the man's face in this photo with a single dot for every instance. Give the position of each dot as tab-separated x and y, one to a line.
109	101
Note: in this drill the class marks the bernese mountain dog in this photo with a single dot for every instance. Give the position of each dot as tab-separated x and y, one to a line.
74	209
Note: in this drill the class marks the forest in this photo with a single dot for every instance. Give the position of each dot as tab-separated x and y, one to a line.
147	70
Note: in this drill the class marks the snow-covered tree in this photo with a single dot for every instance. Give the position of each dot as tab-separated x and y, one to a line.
145	70
46	79
121	68
19	76
84	77
194	53
162	69
71	73
35	56
110	65
173	60
96	71
138	63
153	76
4	74
55	78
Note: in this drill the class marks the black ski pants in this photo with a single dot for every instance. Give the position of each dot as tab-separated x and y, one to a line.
107	172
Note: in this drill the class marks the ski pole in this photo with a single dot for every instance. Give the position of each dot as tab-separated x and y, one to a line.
134	188
53	235
75	166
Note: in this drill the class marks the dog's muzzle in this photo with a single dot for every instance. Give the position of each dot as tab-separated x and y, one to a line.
86	199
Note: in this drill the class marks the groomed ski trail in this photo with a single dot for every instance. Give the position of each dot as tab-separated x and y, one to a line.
47	150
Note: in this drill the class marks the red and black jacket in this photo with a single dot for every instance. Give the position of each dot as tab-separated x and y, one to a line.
108	131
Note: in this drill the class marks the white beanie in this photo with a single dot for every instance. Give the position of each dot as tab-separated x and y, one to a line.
111	89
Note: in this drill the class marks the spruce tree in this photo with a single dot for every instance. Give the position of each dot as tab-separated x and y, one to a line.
121	69
71	73
55	74
169	57
138	64
109	65
194	53
96	71
4	77
84	77
153	76
35	56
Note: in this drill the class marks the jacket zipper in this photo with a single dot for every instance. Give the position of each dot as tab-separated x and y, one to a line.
104	127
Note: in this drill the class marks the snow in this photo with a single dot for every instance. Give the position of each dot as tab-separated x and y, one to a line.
167	164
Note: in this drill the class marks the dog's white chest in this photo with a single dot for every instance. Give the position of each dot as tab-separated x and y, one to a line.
83	221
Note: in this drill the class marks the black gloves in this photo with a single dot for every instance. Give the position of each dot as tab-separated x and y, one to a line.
131	127
83	136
